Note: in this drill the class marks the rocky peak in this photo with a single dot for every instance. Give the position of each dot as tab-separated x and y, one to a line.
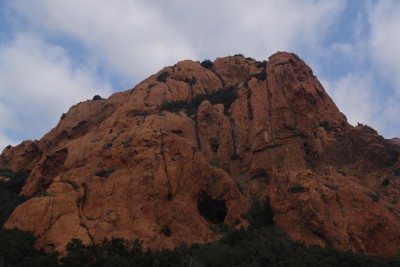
189	146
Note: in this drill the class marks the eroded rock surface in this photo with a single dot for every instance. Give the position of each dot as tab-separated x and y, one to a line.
125	167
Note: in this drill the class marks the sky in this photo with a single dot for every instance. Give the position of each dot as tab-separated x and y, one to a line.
56	53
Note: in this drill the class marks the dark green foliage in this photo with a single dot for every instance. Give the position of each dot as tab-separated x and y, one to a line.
116	252
373	196
262	76
8	202
214	163
261	64
260	245
221	228
162	77
140	113
105	173
173	106
296	188
9	192
16	249
207	64
107	146
332	187
385	182
224	96
17	180
327	126
265	246
260	213
151	85
97	97
191	81
127	143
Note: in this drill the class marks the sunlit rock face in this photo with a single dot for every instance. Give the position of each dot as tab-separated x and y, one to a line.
191	145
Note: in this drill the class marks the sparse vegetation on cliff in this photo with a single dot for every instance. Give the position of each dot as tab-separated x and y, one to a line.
296	188
162	77
207	64
225	96
97	97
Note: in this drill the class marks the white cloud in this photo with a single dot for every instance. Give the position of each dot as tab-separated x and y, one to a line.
255	28
140	37
131	38
354	96
37	84
385	40
389	121
8	121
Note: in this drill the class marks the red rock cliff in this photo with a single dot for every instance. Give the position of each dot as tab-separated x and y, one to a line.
124	167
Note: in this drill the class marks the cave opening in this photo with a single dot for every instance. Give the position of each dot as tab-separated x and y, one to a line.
213	210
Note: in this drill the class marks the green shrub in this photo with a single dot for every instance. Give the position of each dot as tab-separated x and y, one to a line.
97	97
191	81
17	180
265	246
16	249
207	64
260	213
331	187
9	192
105	173
127	143
262	76
327	126
373	196
162	77
261	64
140	113
385	182
107	146
225	96
296	188
220	228
214	163
173	106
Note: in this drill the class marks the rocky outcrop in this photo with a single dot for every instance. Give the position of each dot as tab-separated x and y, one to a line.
190	145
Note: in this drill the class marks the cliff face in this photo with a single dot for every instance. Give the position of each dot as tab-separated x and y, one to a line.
188	147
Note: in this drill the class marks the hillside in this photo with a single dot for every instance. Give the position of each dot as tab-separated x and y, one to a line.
190	146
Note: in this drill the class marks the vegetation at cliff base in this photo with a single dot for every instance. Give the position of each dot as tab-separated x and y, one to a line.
16	247
261	244
10	186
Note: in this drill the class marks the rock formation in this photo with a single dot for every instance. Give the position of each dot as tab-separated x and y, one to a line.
189	146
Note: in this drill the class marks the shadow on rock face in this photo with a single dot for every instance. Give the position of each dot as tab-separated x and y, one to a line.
213	210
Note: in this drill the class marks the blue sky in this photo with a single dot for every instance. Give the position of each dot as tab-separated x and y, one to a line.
55	53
